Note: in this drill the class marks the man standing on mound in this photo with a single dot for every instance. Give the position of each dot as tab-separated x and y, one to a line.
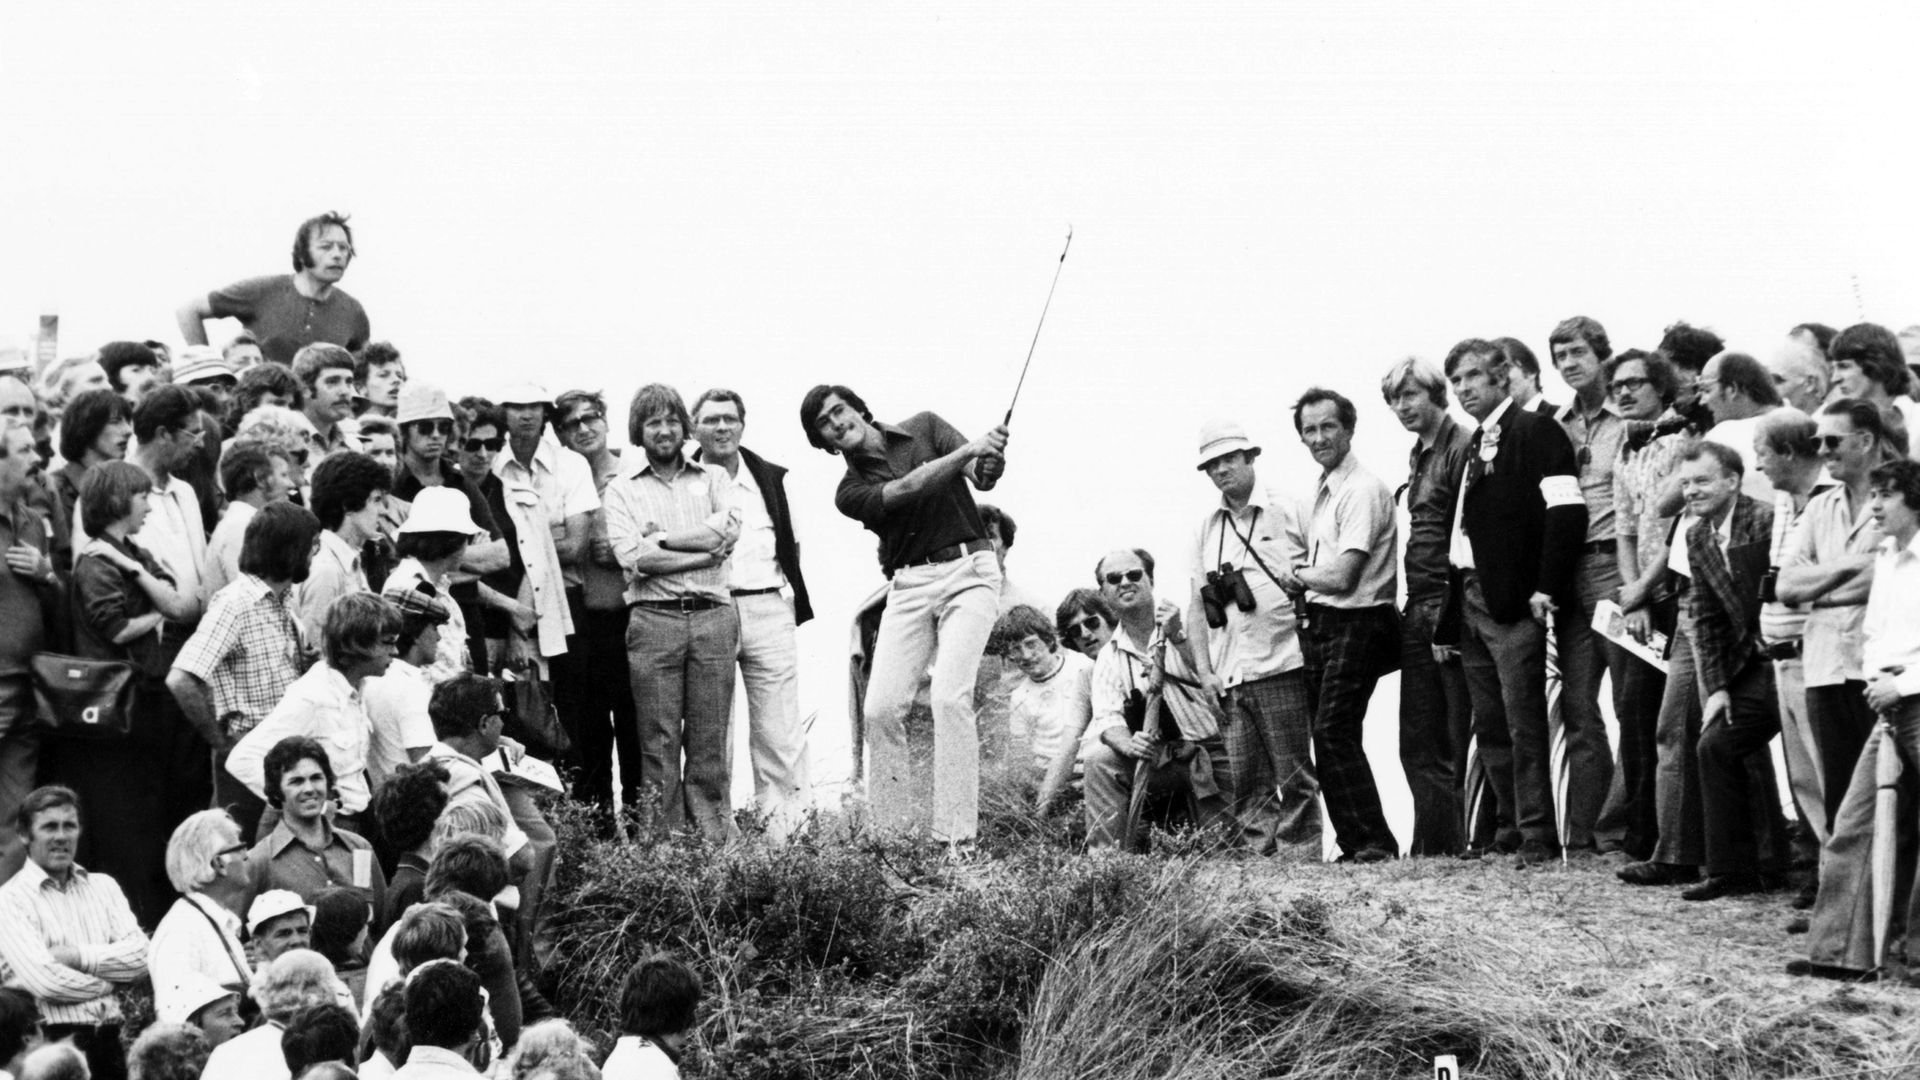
908	485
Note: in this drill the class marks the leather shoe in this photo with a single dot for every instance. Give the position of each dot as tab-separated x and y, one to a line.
1827	971
1657	873
1720	885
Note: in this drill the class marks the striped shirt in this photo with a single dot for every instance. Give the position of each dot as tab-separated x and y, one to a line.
1122	667
90	914
247	651
641	502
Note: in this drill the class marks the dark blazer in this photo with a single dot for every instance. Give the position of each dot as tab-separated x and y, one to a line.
1725	598
1521	544
772	480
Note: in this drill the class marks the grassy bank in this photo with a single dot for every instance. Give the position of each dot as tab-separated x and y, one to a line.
840	955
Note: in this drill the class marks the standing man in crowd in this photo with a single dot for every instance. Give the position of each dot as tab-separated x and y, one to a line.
1829	565
239	663
764	565
1436	718
285	312
1352	633
604	719
67	936
327	373
1243	548
1516	541
30	590
1597	431
1180	749
908	485
672	524
1727	550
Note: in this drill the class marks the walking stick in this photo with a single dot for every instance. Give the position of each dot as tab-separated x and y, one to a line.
1886	827
1143	768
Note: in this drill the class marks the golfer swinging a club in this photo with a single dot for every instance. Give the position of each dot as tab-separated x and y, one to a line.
907	483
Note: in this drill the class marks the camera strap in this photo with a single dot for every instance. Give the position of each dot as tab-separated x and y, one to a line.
1246	544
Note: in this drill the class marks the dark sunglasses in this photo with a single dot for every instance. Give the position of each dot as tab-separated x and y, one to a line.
491	446
1083	626
1117	577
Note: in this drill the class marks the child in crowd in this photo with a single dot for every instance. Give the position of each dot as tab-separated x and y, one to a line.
1052	703
656	1019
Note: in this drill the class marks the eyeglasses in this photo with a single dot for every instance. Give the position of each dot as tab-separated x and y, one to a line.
1083	626
1629	384
491	446
434	427
1117	577
585	418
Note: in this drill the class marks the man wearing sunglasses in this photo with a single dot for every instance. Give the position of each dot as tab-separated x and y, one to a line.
1828	563
908	484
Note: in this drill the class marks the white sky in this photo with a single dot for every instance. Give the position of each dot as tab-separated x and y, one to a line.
765	196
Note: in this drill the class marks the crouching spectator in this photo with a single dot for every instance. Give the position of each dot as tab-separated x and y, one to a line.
1181	745
1051	702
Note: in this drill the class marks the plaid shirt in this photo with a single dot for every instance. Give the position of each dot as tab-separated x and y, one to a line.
247	650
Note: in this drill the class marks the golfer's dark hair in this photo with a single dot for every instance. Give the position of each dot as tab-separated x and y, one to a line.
1342	408
310	228
1146	563
1875	350
278	543
287	753
85	417
816	400
660	997
343	483
652	399
1582	328
1901	477
1690	347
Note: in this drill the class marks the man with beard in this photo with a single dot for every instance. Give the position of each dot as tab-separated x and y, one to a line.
672	524
286	312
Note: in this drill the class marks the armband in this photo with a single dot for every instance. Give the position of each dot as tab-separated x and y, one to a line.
1560	491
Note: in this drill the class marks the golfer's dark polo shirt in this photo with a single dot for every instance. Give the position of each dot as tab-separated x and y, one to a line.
941	517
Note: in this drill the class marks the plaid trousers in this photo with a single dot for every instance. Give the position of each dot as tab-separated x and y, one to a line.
1347	650
1269	735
